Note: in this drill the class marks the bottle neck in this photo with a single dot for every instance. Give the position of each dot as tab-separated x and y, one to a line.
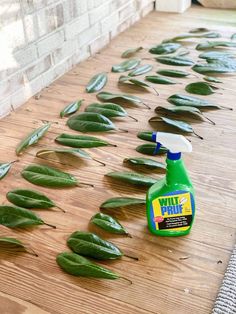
176	172
173	156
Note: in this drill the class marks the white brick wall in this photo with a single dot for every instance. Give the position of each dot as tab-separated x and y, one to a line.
43	39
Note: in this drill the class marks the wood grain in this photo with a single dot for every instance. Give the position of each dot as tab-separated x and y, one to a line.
173	275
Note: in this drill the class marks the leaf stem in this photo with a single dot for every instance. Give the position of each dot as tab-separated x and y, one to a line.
126	279
155	91
199	136
63	210
228	108
148	107
31	251
123	131
46	121
85	184
100	162
49	225
129	235
212	122
132	257
133	118
12	162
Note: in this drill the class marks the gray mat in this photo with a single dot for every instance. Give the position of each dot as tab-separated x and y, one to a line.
226	300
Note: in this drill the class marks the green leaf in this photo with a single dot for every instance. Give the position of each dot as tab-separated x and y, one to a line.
192	35
17	217
90	122
179	61
77	265
108	223
72	151
117	202
29	199
142	69
137	82
199	88
145	162
173	73
81	141
91	245
16	243
48	176
215	55
149	149
216	66
32	138
233	36
180	110
211	79
96	83
165	48
199	30
126	65
215	44
107	109
157	79
180	125
107	96
5	167
145	135
185	100
71	108
132	178
130	52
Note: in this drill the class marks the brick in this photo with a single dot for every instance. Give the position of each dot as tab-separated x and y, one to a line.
121	27
10	11
66	50
14	34
91	4
31	27
99	43
11	84
16	81
99	13
8	62
50	19
26	56
5	107
23	94
146	10
140	4
126	11
87	36
82	54
5	89
74	8
28	6
115	5
55	17
55	72
107	23
50	43
38	68
77	26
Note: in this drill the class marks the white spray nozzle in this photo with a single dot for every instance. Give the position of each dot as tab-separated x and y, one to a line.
175	143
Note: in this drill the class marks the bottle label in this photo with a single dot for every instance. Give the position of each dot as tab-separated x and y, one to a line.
173	211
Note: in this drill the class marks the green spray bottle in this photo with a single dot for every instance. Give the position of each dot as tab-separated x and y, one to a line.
170	202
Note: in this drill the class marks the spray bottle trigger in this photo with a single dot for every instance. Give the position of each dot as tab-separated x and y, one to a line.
157	148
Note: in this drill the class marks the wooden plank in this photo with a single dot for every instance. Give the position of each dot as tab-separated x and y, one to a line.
173	275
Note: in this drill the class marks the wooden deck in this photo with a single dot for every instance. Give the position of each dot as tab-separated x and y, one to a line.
173	275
